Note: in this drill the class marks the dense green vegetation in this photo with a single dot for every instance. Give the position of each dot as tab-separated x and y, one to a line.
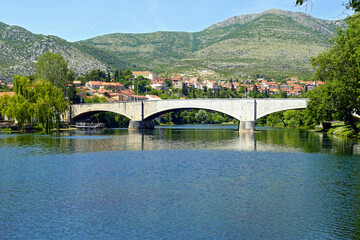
53	68
339	67
37	103
194	117
289	118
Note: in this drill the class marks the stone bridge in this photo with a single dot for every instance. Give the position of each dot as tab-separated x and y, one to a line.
142	112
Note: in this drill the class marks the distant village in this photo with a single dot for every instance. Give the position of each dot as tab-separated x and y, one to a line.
116	92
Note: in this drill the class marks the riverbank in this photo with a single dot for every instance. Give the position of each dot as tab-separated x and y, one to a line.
337	129
343	130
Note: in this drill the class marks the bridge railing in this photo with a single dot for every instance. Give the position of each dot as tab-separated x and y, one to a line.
197	99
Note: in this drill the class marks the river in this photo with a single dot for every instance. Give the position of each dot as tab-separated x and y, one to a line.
179	182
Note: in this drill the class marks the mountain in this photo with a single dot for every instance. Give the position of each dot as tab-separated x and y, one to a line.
20	49
272	42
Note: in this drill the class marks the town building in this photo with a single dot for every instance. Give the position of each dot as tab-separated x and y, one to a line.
110	85
178	85
158	85
146	74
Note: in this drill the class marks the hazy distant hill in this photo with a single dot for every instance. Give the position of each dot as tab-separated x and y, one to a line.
271	42
274	41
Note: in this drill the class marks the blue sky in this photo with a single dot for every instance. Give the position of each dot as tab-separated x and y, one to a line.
76	20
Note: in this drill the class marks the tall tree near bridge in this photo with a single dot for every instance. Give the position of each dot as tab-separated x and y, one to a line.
53	68
340	69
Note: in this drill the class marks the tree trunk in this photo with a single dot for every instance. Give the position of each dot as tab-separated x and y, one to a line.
352	123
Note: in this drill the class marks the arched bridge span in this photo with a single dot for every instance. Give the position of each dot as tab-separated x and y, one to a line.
142	112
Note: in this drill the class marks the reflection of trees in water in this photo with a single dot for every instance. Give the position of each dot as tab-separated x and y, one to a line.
37	143
308	141
169	138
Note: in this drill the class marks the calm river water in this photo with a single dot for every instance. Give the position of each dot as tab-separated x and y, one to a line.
180	182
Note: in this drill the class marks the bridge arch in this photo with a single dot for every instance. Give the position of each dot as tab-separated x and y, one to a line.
81	110
229	107
86	115
157	114
267	106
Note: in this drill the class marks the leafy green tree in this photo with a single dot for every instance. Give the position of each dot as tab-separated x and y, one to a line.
111	119
95	99
141	86
184	90
351	4
47	105
108	77
202	116
321	106
53	68
38	103
95	75
340	69
168	83
276	118
17	107
71	76
141	77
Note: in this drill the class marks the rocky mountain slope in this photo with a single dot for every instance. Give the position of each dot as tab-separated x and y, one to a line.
20	49
272	42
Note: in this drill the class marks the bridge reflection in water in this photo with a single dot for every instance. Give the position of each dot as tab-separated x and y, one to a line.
283	140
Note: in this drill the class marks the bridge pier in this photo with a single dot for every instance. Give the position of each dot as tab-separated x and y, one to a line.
246	126
145	124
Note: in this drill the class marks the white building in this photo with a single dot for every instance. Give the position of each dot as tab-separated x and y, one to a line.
145	74
158	85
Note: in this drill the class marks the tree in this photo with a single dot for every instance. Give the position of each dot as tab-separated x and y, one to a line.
53	68
202	116
352	4
95	75
184	90
168	83
141	86
39	103
71	76
320	105
108	78
340	69
95	99
47	104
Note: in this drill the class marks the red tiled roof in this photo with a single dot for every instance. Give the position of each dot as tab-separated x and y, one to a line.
154	96
98	83
10	94
141	72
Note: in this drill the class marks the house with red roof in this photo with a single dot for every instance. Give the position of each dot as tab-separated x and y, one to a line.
158	85
110	85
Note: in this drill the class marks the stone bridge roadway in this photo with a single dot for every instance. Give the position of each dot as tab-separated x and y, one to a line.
142	112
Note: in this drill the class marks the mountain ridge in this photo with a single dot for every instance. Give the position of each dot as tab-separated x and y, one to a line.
230	46
272	42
